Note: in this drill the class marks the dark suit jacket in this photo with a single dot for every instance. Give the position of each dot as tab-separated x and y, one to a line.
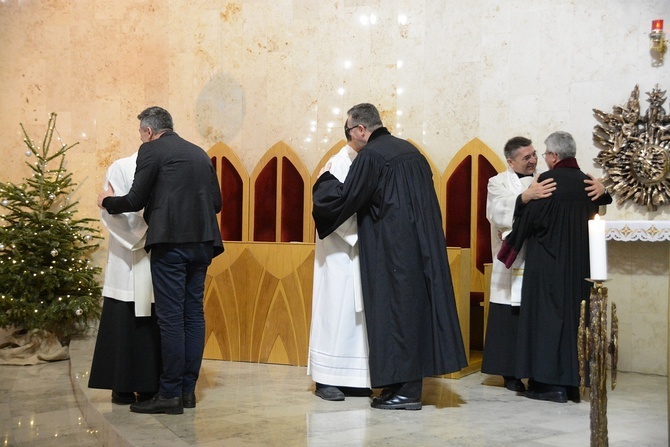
177	186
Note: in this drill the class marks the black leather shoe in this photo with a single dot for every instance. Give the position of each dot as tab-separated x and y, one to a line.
573	394
387	393
331	393
159	404
121	398
188	400
355	392
514	384
396	402
141	397
558	396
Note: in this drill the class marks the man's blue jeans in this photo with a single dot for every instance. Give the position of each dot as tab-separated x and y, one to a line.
178	275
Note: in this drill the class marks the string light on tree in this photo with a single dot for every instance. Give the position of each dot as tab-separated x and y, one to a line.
44	233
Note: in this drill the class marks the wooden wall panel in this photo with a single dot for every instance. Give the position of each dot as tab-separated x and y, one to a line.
293	210
258	303
267	192
234	182
475	152
459	263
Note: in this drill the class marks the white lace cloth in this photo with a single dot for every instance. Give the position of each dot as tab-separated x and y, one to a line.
638	230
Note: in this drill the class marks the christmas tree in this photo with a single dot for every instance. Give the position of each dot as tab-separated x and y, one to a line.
46	279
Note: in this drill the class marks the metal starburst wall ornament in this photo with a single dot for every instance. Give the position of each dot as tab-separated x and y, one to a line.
635	150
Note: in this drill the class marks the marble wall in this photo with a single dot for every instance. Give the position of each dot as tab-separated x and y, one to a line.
251	73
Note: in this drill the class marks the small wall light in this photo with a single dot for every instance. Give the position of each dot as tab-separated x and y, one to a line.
657	41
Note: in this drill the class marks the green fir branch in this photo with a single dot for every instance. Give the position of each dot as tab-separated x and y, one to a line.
46	280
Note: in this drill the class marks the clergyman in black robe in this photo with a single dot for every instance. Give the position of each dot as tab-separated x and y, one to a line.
410	310
555	231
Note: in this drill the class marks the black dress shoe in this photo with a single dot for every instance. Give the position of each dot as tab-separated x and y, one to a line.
355	392
331	393
573	394
123	398
514	384
141	397
558	396
188	400
396	402
387	393
159	404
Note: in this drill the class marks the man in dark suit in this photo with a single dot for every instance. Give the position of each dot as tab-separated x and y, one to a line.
177	186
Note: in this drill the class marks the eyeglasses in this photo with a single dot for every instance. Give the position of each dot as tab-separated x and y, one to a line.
529	157
547	153
349	129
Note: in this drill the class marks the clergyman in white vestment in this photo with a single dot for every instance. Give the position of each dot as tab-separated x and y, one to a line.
338	346
127	356
506	192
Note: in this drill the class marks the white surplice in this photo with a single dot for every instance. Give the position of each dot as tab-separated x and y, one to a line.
503	190
338	346
128	274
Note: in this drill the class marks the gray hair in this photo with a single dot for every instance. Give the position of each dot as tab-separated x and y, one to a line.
562	144
365	114
157	118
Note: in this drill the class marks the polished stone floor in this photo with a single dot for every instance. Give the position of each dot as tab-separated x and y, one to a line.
244	404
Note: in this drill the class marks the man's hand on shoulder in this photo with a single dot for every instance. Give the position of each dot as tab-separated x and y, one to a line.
538	190
109	192
594	187
324	169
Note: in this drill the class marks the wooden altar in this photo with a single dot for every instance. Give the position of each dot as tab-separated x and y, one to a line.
258	301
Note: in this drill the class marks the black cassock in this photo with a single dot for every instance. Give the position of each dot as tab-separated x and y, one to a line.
555	231
410	310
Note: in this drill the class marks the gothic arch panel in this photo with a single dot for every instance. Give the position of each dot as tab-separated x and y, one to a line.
234	183
280	197
463	185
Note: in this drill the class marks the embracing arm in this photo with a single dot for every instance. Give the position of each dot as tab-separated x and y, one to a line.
334	202
143	183
594	187
538	190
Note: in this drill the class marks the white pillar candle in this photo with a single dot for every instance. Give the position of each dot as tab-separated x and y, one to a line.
597	249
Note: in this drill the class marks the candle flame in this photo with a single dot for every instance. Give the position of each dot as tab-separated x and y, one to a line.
596	217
